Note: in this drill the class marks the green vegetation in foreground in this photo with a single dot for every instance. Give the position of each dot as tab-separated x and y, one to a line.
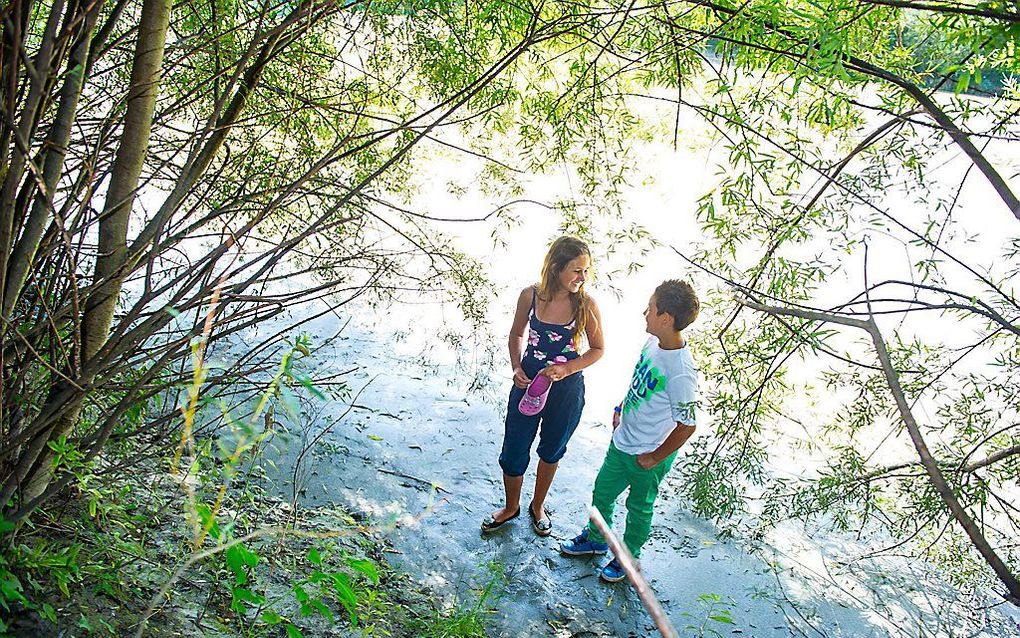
94	571
121	558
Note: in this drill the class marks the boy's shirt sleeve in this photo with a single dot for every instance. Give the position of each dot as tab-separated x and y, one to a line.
682	391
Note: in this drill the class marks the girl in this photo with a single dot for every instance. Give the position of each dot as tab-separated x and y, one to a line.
551	316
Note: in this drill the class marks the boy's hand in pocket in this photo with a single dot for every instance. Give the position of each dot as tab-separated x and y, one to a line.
647	460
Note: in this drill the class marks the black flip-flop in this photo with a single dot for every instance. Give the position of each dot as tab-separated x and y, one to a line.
491	525
537	523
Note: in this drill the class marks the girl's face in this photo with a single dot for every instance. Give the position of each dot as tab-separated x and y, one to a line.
575	273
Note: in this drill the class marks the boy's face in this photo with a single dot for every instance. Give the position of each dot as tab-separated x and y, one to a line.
656	322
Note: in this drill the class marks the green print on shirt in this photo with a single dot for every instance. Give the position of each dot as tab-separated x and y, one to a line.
686	412
646	382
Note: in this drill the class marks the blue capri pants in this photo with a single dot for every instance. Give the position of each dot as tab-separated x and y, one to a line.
554	425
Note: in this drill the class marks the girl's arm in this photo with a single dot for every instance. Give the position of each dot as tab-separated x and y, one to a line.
518	332
596	348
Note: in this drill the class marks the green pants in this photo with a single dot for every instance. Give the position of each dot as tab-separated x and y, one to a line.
620	471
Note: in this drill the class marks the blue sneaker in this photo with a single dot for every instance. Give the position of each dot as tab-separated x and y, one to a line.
612	572
581	546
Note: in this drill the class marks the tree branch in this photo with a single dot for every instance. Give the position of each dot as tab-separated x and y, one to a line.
935	475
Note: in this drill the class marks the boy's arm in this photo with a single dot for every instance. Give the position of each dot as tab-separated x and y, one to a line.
673	442
681	392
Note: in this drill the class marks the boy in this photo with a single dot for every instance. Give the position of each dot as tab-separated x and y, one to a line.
653	422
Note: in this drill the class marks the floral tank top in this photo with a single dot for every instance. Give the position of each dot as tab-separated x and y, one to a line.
548	343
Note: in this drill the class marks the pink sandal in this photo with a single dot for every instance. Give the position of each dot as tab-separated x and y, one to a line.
534	397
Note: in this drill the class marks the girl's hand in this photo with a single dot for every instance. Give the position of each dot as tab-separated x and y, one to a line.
521	380
555	371
616	417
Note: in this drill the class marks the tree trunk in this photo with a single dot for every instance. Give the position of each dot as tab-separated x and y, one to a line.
38	72
109	272
53	164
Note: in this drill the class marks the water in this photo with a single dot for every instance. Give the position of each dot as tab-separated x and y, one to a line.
418	425
433	413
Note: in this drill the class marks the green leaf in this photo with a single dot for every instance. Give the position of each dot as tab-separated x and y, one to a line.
10	589
314	391
208	521
314	557
270	617
48	613
247	596
239	558
293	632
251	559
323	610
290	401
344	592
962	82
366	567
240	595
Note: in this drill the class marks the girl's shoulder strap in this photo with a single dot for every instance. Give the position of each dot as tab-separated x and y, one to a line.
534	296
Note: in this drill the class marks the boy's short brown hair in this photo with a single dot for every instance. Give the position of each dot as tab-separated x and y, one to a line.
678	299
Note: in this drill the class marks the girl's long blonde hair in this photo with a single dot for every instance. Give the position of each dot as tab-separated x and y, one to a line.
562	251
